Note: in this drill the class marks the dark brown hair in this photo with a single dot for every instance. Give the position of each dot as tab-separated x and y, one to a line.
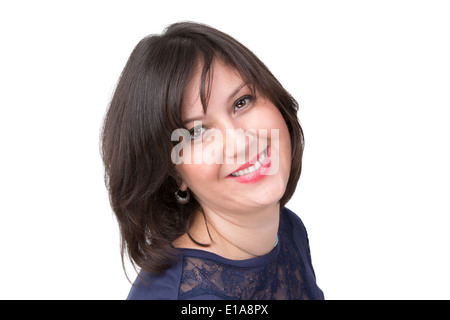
136	137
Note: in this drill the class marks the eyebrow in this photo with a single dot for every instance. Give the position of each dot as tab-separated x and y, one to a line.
236	91
231	96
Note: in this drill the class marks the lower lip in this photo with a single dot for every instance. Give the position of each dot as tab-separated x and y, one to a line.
255	175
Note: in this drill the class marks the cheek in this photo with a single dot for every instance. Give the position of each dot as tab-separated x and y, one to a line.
198	176
283	142
272	119
267	115
284	151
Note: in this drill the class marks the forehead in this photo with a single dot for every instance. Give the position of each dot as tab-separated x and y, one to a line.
224	80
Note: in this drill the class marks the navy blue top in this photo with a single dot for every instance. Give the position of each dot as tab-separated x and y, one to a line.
286	272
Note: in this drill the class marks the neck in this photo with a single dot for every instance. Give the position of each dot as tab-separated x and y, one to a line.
237	236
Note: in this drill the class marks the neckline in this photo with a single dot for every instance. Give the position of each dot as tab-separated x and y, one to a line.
252	262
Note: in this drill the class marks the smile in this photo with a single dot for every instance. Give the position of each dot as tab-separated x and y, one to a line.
252	173
252	168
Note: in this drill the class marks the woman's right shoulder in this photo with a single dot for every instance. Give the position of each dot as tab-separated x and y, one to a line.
157	286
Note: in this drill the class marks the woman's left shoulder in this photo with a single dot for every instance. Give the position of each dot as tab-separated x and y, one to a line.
293	229
291	219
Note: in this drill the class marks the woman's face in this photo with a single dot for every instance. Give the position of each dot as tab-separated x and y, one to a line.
238	155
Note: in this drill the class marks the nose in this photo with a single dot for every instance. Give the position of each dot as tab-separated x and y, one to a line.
240	144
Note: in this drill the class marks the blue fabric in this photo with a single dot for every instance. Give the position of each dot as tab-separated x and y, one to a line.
285	273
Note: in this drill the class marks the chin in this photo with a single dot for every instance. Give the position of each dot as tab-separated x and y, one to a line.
270	193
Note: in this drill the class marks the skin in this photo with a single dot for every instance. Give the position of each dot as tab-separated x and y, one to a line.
242	216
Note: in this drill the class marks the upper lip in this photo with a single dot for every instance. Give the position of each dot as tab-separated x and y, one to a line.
249	163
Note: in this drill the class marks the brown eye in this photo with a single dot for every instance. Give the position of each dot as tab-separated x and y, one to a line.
242	102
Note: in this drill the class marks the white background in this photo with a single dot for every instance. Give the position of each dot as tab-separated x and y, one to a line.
373	82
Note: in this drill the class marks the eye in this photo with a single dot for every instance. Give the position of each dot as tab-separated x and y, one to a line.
196	132
242	102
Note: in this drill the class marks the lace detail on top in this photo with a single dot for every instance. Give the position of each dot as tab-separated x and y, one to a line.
281	277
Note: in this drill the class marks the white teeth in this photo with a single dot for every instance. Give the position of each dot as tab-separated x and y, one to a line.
253	168
262	157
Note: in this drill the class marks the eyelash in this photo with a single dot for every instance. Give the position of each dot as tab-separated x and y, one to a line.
235	109
191	132
247	97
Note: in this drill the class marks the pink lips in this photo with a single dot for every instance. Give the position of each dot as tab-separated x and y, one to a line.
255	175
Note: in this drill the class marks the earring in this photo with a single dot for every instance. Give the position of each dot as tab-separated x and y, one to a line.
180	199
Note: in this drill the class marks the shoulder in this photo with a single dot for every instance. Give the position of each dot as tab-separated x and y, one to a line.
157	286
289	219
293	227
295	232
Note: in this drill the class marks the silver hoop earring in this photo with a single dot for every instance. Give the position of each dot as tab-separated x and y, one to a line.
181	199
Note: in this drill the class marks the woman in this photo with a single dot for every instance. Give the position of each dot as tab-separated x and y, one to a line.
201	213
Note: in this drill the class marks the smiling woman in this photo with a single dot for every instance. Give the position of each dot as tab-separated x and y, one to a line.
214	228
